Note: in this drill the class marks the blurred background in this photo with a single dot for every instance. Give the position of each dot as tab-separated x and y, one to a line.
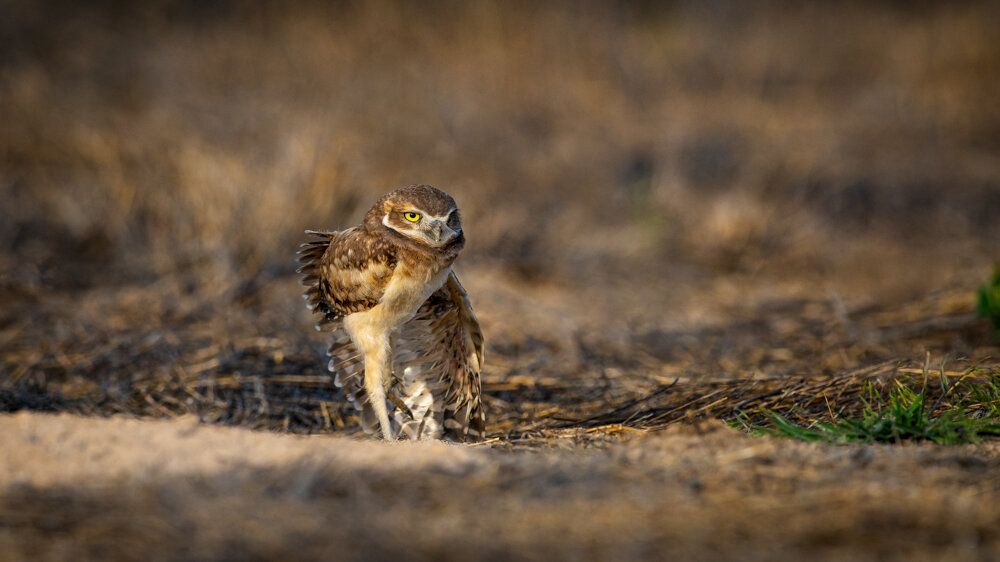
673	210
649	190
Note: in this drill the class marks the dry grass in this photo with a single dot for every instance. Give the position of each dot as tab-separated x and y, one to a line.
674	213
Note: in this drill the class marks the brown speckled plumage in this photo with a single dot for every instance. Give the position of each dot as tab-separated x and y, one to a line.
388	282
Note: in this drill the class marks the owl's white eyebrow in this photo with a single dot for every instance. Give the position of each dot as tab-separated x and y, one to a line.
443	217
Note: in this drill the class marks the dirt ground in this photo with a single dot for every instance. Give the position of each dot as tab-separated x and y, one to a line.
675	213
179	489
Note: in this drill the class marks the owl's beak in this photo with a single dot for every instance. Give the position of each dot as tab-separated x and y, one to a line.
435	230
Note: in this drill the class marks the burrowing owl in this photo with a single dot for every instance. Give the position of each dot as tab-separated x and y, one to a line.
406	342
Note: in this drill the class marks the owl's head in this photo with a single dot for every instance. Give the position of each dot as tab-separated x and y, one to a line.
421	213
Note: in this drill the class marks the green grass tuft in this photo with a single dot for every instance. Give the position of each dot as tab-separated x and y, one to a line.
966	412
989	302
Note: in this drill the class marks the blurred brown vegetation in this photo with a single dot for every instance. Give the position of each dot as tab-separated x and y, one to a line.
199	139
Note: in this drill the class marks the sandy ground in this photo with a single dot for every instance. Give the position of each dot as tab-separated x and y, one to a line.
85	488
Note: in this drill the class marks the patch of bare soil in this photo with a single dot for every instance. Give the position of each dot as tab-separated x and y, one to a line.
122	488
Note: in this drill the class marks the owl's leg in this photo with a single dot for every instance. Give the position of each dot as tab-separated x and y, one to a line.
378	371
373	342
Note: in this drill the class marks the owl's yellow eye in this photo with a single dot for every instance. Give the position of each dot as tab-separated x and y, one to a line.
412	217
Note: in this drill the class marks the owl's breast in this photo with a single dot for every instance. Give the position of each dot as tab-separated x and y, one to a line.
407	290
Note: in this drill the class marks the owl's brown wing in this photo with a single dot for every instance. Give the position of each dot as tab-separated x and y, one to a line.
437	359
345	271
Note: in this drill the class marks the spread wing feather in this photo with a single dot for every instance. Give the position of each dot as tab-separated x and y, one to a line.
437	358
344	271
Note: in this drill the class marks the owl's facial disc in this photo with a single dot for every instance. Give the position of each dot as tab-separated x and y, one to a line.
434	231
